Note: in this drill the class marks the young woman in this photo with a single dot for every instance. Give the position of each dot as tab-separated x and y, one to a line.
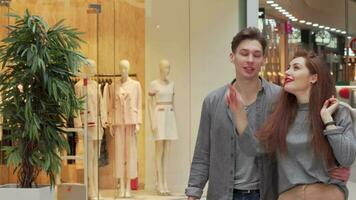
308	132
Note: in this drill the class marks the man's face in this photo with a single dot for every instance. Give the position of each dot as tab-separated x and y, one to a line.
248	59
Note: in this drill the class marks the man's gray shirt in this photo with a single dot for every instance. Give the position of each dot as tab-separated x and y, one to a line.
216	148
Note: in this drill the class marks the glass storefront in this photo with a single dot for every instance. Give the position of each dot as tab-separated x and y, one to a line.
143	37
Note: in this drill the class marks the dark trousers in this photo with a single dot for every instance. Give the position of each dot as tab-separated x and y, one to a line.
245	195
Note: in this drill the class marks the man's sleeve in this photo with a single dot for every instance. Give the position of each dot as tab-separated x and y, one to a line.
199	171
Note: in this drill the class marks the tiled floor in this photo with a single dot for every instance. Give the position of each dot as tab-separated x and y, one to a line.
151	195
141	195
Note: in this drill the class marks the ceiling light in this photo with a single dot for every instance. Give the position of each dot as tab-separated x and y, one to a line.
294	19
278	8
289	15
302	21
282	10
349	37
321	26
327	28
343	32
337	30
285	13
274	5
315	25
333	29
269	2
308	23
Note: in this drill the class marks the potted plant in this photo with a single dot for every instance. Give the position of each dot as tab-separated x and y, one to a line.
38	63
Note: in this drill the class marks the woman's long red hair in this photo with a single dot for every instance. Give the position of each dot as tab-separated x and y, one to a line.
274	131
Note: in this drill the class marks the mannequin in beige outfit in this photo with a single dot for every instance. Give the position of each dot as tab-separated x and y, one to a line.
125	118
95	127
163	122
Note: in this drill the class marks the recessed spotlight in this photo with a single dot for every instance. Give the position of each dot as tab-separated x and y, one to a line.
308	23
269	2
315	25
274	5
302	21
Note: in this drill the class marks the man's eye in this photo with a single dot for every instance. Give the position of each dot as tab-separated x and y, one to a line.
257	55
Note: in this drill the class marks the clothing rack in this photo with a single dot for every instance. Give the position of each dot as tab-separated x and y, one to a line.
103	78
113	75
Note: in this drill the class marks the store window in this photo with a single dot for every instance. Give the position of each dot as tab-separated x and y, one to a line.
141	41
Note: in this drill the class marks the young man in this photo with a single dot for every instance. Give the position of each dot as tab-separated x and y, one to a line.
217	149
233	175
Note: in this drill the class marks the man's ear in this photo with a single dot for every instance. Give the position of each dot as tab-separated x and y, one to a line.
232	57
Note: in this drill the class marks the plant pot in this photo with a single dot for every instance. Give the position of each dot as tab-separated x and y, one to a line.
11	191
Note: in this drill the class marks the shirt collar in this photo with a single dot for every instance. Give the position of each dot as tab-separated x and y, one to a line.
263	83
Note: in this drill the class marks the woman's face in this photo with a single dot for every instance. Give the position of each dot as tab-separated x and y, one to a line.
298	78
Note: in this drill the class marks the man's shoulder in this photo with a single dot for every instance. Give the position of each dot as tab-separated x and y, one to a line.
272	88
216	94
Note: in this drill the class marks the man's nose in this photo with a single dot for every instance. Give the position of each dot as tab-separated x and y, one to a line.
250	58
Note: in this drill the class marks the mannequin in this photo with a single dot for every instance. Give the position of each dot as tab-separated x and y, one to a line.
125	118
95	127
163	122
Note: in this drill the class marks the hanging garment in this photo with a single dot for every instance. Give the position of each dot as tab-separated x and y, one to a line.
163	116
104	153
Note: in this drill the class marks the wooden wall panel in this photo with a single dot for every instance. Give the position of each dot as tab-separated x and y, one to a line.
4	174
74	13
106	40
3	21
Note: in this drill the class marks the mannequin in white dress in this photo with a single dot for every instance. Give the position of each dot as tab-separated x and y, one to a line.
125	117
163	122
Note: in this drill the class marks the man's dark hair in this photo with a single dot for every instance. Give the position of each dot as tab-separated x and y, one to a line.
249	33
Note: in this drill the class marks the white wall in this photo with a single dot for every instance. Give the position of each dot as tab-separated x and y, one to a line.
195	36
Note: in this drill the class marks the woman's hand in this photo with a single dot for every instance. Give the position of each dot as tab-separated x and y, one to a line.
237	106
234	100
329	107
340	173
